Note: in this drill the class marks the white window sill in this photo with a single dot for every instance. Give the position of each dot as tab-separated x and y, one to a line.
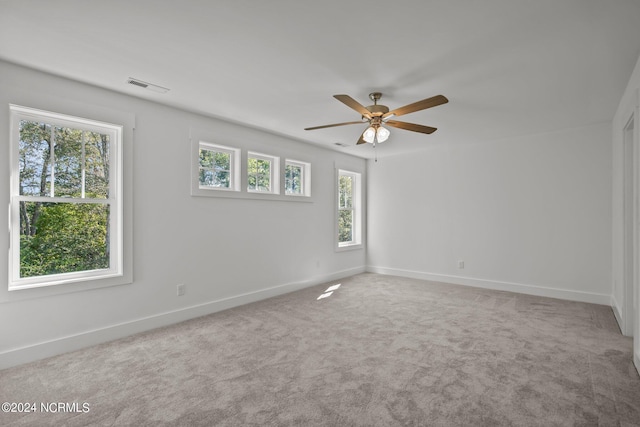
255	195
349	247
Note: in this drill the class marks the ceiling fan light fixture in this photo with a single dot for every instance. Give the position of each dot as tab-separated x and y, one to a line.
369	135
382	134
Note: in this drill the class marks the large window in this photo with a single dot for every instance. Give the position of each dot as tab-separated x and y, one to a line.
349	209
66	199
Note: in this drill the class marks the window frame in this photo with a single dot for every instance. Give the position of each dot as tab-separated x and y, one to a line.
357	208
234	166
305	180
116	267
274	172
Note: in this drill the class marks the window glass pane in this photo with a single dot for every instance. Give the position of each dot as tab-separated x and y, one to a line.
223	161
345	192
252	166
206	158
206	177
252	182
258	174
293	179
34	158
345	226
67	159
63	238
263	166
263	182
70	148
96	165
222	179
215	168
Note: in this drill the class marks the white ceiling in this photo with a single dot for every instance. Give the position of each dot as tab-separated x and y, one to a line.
508	67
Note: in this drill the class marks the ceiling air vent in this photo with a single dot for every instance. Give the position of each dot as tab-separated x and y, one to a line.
145	85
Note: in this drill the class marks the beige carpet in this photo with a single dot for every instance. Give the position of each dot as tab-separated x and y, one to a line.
379	351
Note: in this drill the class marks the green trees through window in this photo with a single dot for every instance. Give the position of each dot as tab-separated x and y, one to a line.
67	237
345	209
349	209
258	174
63	195
293	179
215	168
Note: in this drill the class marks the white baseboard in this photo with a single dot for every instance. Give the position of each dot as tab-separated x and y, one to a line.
617	313
66	344
497	285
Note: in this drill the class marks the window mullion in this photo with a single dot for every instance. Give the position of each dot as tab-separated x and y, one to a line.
83	166
52	160
40	199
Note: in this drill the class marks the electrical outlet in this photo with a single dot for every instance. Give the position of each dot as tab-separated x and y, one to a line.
460	264
182	289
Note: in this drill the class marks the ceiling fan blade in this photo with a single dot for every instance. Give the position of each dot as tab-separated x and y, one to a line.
434	101
335	124
352	103
361	140
411	126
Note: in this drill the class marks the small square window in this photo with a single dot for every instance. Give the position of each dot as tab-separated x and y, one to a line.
297	178
217	167
262	173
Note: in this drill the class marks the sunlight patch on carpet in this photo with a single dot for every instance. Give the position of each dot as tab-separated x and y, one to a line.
328	292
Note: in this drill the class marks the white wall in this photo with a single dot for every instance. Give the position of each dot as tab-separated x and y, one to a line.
227	251
530	214
623	308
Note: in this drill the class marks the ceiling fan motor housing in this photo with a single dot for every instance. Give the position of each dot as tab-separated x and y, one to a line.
377	110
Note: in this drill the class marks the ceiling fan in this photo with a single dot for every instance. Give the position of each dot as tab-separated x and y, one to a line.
377	115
